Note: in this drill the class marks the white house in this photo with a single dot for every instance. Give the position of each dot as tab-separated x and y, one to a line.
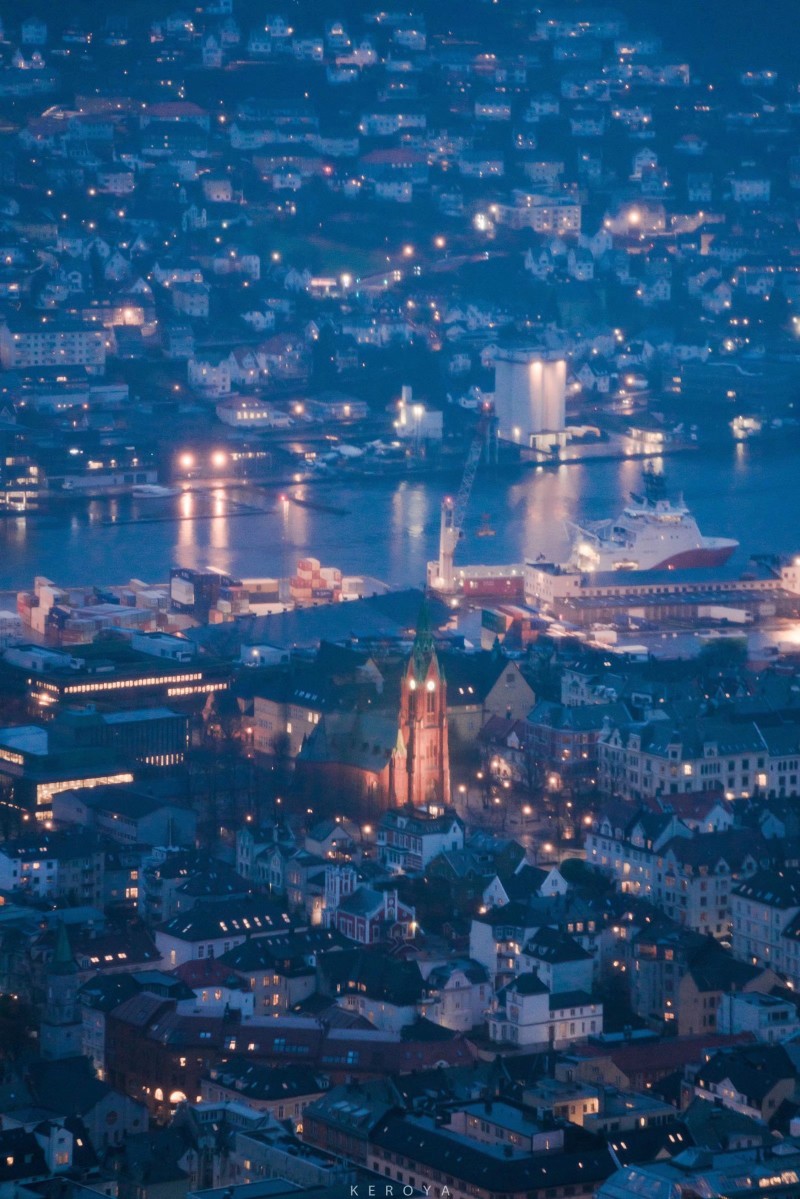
209	930
410	840
457	994
558	960
527	1015
537	881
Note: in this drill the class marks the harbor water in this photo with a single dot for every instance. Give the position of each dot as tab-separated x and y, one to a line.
389	528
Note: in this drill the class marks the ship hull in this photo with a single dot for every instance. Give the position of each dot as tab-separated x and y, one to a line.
701	556
685	560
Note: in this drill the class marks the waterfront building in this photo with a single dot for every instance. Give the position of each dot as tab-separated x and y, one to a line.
529	393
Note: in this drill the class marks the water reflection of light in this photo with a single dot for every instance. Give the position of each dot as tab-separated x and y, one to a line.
413	533
296	523
220	527
630	474
219	533
541	503
16	530
187	528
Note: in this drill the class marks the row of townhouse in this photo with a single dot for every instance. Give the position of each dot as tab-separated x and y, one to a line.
766	922
280	359
659	757
687	872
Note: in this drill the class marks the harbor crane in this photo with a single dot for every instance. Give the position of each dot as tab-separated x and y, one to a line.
454	511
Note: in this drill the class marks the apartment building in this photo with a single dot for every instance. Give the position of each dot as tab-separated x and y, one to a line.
49	342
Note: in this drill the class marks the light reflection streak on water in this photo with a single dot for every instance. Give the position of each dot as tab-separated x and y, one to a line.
218	531
414	523
186	528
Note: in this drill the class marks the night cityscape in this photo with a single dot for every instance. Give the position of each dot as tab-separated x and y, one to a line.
399	599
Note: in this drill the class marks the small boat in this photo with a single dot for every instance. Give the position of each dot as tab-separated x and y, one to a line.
154	491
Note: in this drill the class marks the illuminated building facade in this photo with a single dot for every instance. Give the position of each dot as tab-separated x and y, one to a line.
529	393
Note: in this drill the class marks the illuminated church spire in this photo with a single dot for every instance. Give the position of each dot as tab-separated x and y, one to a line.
423	723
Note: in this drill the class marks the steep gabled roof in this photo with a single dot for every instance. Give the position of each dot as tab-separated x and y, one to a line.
552	946
774	888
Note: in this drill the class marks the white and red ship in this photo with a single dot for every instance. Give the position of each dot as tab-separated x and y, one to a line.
651	533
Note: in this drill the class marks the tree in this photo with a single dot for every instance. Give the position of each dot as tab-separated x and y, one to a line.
282	758
17	1021
722	656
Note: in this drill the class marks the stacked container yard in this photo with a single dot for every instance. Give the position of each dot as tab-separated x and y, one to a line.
314	582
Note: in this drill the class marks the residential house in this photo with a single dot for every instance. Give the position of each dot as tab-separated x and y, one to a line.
281	972
410	838
480	686
565	738
762	907
210	929
372	984
558	960
750	1079
526	1015
661	757
369	917
283	1094
456	994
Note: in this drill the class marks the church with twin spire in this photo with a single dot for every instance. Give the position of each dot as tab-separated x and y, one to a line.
372	758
